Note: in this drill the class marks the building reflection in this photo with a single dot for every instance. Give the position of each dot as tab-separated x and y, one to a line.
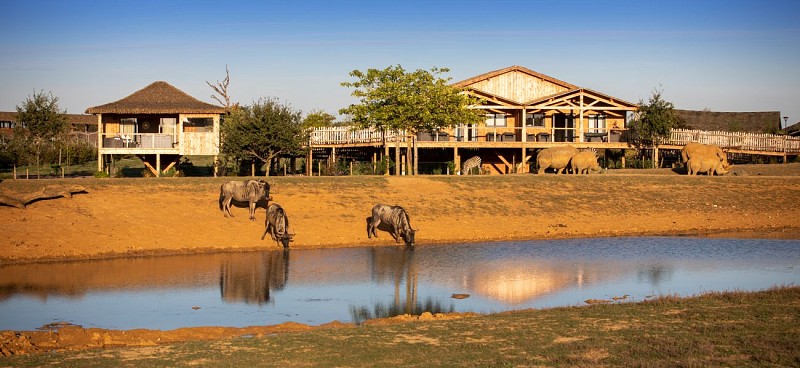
250	280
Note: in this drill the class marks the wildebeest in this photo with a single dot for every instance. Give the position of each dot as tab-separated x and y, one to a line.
395	220
251	191
277	225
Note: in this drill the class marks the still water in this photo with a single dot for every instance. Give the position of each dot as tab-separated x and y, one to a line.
352	284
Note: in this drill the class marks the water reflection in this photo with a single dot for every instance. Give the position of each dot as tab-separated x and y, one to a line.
250	280
354	284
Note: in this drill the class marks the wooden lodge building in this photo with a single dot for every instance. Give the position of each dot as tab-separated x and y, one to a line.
524	110
159	124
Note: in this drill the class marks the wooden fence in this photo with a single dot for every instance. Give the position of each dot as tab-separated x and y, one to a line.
736	140
348	135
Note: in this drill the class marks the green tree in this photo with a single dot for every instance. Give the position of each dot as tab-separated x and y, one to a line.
264	131
318	119
394	99
41	130
654	120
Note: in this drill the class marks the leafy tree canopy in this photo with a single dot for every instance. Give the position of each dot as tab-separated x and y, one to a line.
264	131
42	117
655	119
415	101
318	119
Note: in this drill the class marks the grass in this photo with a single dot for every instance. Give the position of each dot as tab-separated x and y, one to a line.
743	329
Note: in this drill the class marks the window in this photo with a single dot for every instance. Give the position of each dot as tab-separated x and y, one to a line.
6	124
167	125
597	123
534	119
127	126
198	125
495	120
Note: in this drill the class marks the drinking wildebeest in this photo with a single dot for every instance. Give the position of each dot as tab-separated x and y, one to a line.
395	221
251	191
277	225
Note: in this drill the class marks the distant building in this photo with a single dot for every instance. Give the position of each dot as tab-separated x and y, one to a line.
793	130
748	122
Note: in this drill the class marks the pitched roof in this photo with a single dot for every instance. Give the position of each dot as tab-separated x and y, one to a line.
513	68
158	98
609	99
750	122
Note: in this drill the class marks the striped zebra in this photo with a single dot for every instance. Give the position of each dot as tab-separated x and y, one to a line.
468	165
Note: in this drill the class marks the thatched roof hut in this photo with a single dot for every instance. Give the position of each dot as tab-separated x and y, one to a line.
750	122
157	98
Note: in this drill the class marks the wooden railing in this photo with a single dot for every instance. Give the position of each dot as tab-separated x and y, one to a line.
346	134
736	140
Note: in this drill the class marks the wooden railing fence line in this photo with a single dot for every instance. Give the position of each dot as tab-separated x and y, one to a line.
736	140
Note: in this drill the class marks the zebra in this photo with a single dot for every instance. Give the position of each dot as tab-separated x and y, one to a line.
471	163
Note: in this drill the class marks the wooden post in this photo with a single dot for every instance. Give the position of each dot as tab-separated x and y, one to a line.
416	159
623	159
252	168
158	165
580	126
15	172
374	154
216	166
319	168
397	156
385	153
655	156
456	161
310	163
351	168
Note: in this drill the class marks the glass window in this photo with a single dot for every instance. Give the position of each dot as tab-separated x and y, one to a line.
597	123
168	125
534	119
495	120
198	125
127	126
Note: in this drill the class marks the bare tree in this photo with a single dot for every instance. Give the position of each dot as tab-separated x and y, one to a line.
221	89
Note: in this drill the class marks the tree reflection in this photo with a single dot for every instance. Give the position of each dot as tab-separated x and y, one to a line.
396	265
250	280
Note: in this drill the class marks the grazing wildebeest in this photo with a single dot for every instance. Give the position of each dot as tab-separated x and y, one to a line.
395	219
251	191
277	225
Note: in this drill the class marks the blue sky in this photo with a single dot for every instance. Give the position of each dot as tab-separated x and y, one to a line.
720	55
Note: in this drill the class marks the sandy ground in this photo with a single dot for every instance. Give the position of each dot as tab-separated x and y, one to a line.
123	217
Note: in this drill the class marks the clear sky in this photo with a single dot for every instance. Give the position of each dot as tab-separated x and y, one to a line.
719	55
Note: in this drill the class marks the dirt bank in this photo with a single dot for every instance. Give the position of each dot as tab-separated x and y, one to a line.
181	215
